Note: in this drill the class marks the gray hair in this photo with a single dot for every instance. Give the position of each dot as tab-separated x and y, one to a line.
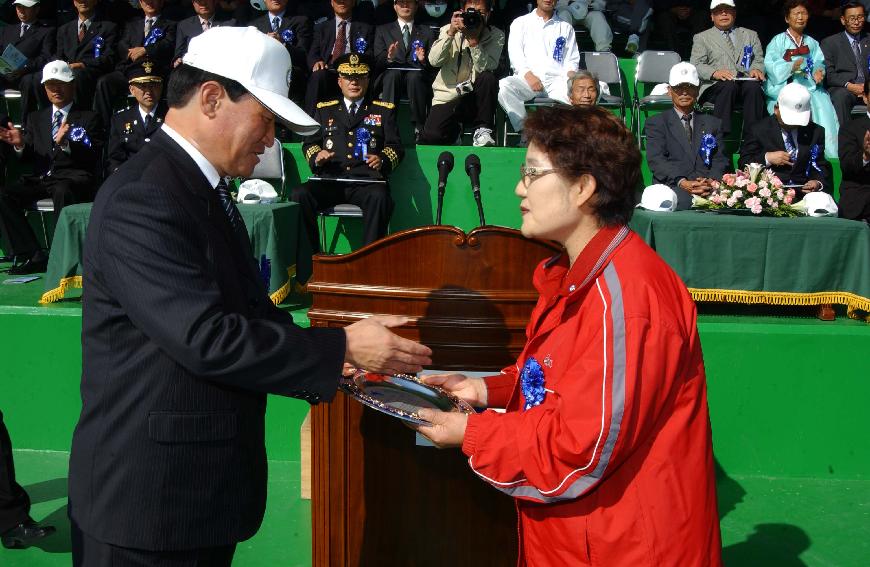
584	74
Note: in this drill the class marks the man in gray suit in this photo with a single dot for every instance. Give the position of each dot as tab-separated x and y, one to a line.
728	58
683	147
846	61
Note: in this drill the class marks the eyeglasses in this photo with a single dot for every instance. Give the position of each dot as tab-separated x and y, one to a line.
854	18
529	174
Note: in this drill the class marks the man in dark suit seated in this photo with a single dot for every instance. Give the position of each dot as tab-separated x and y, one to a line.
64	145
789	144
333	38
846	61
35	40
134	126
358	140
188	28
684	147
404	45
293	31
88	45
153	37
854	157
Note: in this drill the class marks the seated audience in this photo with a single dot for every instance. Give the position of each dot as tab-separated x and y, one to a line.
846	61
583	86
88	45
64	145
676	19
589	14
283	22
35	40
790	144
403	44
632	17
724	53
794	57
542	50
332	39
133	127
204	18
676	141
855	164
359	140
465	88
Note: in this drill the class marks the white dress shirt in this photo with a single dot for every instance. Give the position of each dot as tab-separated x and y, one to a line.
532	41
205	166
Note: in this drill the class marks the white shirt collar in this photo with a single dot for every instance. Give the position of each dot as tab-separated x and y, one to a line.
205	166
143	114
402	22
348	102
65	111
279	15
87	23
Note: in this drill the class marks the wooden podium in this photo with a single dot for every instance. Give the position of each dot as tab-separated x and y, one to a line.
377	498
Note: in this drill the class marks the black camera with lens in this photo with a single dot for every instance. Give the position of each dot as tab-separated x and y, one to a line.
472	19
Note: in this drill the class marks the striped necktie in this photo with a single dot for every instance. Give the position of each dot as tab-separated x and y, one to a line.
231	210
55	124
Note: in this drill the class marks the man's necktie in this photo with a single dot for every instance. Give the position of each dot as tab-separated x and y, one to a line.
24	28
276	23
82	30
231	210
859	78
406	36
206	25
147	121
790	145
55	124
730	42
354	106
687	125
148	23
340	41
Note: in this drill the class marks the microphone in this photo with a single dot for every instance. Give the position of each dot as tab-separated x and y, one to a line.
472	168
445	166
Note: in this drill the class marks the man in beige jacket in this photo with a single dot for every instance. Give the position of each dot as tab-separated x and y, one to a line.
730	63
467	53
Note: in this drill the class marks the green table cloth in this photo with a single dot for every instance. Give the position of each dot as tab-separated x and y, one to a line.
277	240
778	261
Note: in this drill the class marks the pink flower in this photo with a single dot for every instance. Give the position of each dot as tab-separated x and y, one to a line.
789	198
777	182
737	194
742	182
770	203
756	209
764	192
716	185
780	195
728	179
752	187
731	202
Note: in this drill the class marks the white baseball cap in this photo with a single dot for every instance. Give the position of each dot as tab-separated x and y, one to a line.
658	198
258	63
794	104
259	5
27	3
256	191
683	73
819	204
716	3
57	71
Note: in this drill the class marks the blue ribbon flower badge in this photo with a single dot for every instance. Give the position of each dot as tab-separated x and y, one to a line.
99	44
416	44
265	270
153	36
360	45
813	162
79	134
559	50
746	60
288	36
808	69
532	382
708	144
363	137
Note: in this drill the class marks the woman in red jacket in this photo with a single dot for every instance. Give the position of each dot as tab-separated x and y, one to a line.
605	443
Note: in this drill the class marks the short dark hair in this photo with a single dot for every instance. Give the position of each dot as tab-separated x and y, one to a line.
790	5
185	79
591	141
852	5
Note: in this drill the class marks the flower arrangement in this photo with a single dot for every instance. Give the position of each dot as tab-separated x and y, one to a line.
754	190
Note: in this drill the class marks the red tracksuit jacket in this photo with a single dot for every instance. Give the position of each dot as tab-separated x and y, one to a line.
607	447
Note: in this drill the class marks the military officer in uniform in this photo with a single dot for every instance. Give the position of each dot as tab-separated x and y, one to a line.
133	126
352	154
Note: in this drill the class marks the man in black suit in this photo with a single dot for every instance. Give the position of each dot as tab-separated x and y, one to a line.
180	341
35	40
292	30
88	45
846	61
676	141
789	144
134	126
333	38
405	45
854	157
150	37
64	145
188	28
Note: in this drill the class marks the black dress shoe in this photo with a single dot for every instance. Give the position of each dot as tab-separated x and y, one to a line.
24	534
32	266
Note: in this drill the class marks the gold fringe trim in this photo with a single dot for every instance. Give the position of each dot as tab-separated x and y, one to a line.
282	292
59	292
854	303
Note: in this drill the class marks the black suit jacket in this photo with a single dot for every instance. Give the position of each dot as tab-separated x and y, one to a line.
180	345
766	136
188	29
840	65
671	157
300	44
160	52
128	133
71	50
323	40
387	34
80	162
855	187
38	44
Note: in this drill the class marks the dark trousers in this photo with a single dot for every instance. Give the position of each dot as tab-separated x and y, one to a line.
725	96
88	552
843	102
477	108
373	198
417	85
322	85
14	502
108	88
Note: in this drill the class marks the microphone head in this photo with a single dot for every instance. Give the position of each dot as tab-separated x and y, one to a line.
445	160
472	162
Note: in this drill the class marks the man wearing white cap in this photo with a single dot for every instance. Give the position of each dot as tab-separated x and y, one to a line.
730	63
790	143
36	41
63	144
180	341
684	148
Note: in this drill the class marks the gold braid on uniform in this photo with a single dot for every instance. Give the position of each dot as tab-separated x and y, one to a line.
327	103
384	103
394	157
312	151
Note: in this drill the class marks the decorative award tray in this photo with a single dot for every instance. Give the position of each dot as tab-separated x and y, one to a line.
400	395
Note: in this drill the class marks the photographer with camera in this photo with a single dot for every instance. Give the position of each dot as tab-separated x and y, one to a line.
467	53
